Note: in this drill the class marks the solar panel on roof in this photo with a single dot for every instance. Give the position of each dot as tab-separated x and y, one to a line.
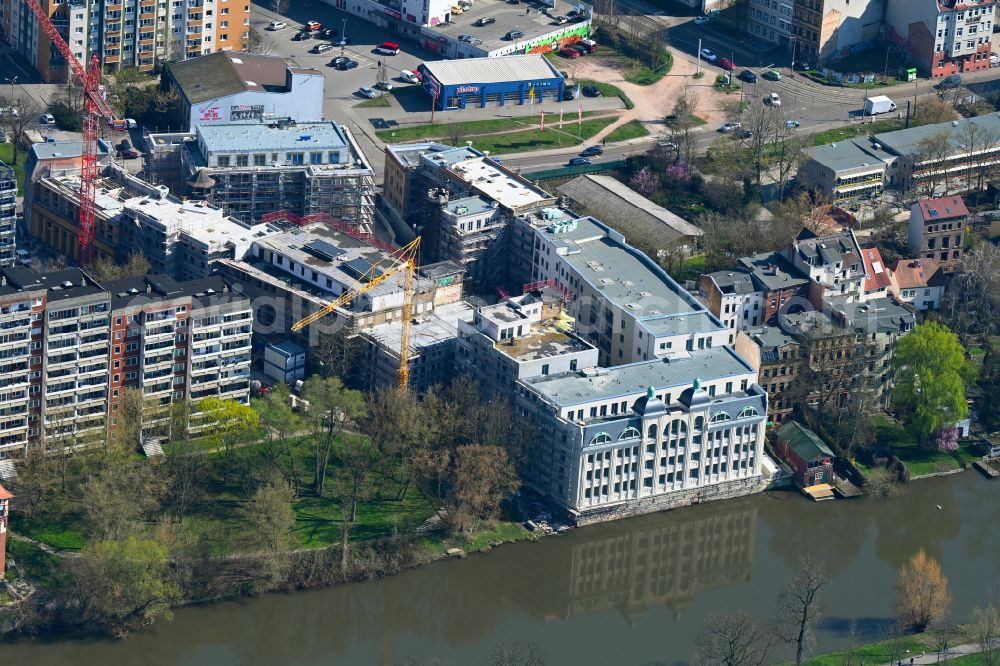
360	267
323	250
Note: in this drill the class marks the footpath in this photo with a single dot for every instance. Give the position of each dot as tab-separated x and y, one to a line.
939	656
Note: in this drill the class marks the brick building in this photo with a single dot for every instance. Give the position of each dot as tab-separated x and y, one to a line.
943	36
937	231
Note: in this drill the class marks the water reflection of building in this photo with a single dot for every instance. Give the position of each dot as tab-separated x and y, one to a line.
663	559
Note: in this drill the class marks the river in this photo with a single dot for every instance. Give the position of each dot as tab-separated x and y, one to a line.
632	592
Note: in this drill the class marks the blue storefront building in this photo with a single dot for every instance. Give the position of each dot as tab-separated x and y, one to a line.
491	82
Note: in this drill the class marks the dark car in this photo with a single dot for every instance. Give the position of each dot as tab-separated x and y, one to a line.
569	53
583	49
748	76
129	154
579	161
950	82
338	61
485	20
350	64
591	151
591	91
513	34
569	94
744	134
301	36
343	41
327	33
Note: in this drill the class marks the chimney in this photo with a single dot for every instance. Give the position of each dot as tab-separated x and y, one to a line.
149	288
83	280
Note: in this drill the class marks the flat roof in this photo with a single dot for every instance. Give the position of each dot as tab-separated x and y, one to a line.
680	324
502	69
623	274
857	153
411	154
543	342
63	149
732	282
573	388
773	271
265	137
434	327
473	205
59	285
508	17
498	183
905	141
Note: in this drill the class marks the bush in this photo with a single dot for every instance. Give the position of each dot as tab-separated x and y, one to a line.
65	117
608	90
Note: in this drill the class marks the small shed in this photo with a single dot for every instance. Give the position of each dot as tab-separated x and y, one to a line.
284	361
807	454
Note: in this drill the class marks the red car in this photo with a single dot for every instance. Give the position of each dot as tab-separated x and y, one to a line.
726	63
569	53
313	25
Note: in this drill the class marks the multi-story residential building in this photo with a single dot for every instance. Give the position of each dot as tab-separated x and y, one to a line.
943	36
848	169
8	215
919	282
252	169
777	355
771	20
734	297
134	34
825	29
878	283
937	231
404	189
5	497
833	265
71	347
778	282
609	448
225	88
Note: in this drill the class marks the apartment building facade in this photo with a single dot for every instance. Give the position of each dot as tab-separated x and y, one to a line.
771	21
8	215
72	347
937	231
944	36
826	29
126	33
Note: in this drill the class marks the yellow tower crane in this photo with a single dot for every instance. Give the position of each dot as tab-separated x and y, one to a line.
404	261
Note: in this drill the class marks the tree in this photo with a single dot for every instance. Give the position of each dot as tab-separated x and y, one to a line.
972	303
942	632
331	408
280	422
230	425
36	483
188	471
645	181
733	638
933	111
259	44
279	6
680	123
270	512
985	629
934	149
395	425
21	113
800	606
120	585
921	592
122	496
482	477
358	459
336	353
108	270
930	369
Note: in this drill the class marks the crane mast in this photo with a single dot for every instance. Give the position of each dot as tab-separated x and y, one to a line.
94	108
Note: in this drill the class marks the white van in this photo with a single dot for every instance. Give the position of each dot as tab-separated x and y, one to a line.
23	257
408	76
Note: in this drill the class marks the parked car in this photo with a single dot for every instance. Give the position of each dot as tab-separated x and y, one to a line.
950	82
772	75
484	20
591	91
409	77
668	146
129	154
325	47
726	63
384	85
708	55
456	10
313	25
338	61
748	76
346	65
513	34
729	127
343	41
277	25
301	36
744	134
47	119
23	257
792	124
699	20
569	94
579	161
580	48
327	33
591	151
569	53
772	100
560	20
365	91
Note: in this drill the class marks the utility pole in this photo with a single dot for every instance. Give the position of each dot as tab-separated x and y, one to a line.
885	71
698	70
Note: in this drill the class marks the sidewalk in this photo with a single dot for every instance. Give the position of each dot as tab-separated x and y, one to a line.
935	657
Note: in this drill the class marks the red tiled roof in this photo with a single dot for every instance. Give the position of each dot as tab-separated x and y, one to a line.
945	208
5	494
875	270
913	273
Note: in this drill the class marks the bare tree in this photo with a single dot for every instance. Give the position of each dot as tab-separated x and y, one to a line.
985	626
681	122
358	459
800	606
17	115
279	6
108	270
733	638
932	151
271	513
933	110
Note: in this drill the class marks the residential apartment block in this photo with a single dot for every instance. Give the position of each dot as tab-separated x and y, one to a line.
131	33
944	36
771	21
71	347
8	215
825	29
937	231
919	282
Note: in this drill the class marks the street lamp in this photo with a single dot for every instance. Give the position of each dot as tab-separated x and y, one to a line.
11	82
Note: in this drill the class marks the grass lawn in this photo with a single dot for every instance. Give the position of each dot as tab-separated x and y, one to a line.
630	130
644	76
375	102
501	532
61	532
920	461
851	131
875	653
7	156
36	564
969	660
608	90
470	128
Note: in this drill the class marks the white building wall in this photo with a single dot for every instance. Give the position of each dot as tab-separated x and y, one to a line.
303	103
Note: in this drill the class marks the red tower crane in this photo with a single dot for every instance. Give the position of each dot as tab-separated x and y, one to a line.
94	108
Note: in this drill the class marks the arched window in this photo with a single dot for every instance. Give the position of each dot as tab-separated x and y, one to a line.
651	433
629	433
719	417
747	412
600	438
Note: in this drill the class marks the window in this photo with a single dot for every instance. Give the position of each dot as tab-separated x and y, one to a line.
545	369
242	160
629	433
259	160
334	157
315	158
600	438
748	412
719	417
296	158
223	160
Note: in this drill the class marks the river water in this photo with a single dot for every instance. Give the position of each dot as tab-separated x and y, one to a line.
632	592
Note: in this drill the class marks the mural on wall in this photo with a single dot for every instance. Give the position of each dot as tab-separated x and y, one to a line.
568	37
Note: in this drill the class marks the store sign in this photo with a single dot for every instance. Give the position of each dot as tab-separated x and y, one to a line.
466	89
209	113
393	13
246	112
